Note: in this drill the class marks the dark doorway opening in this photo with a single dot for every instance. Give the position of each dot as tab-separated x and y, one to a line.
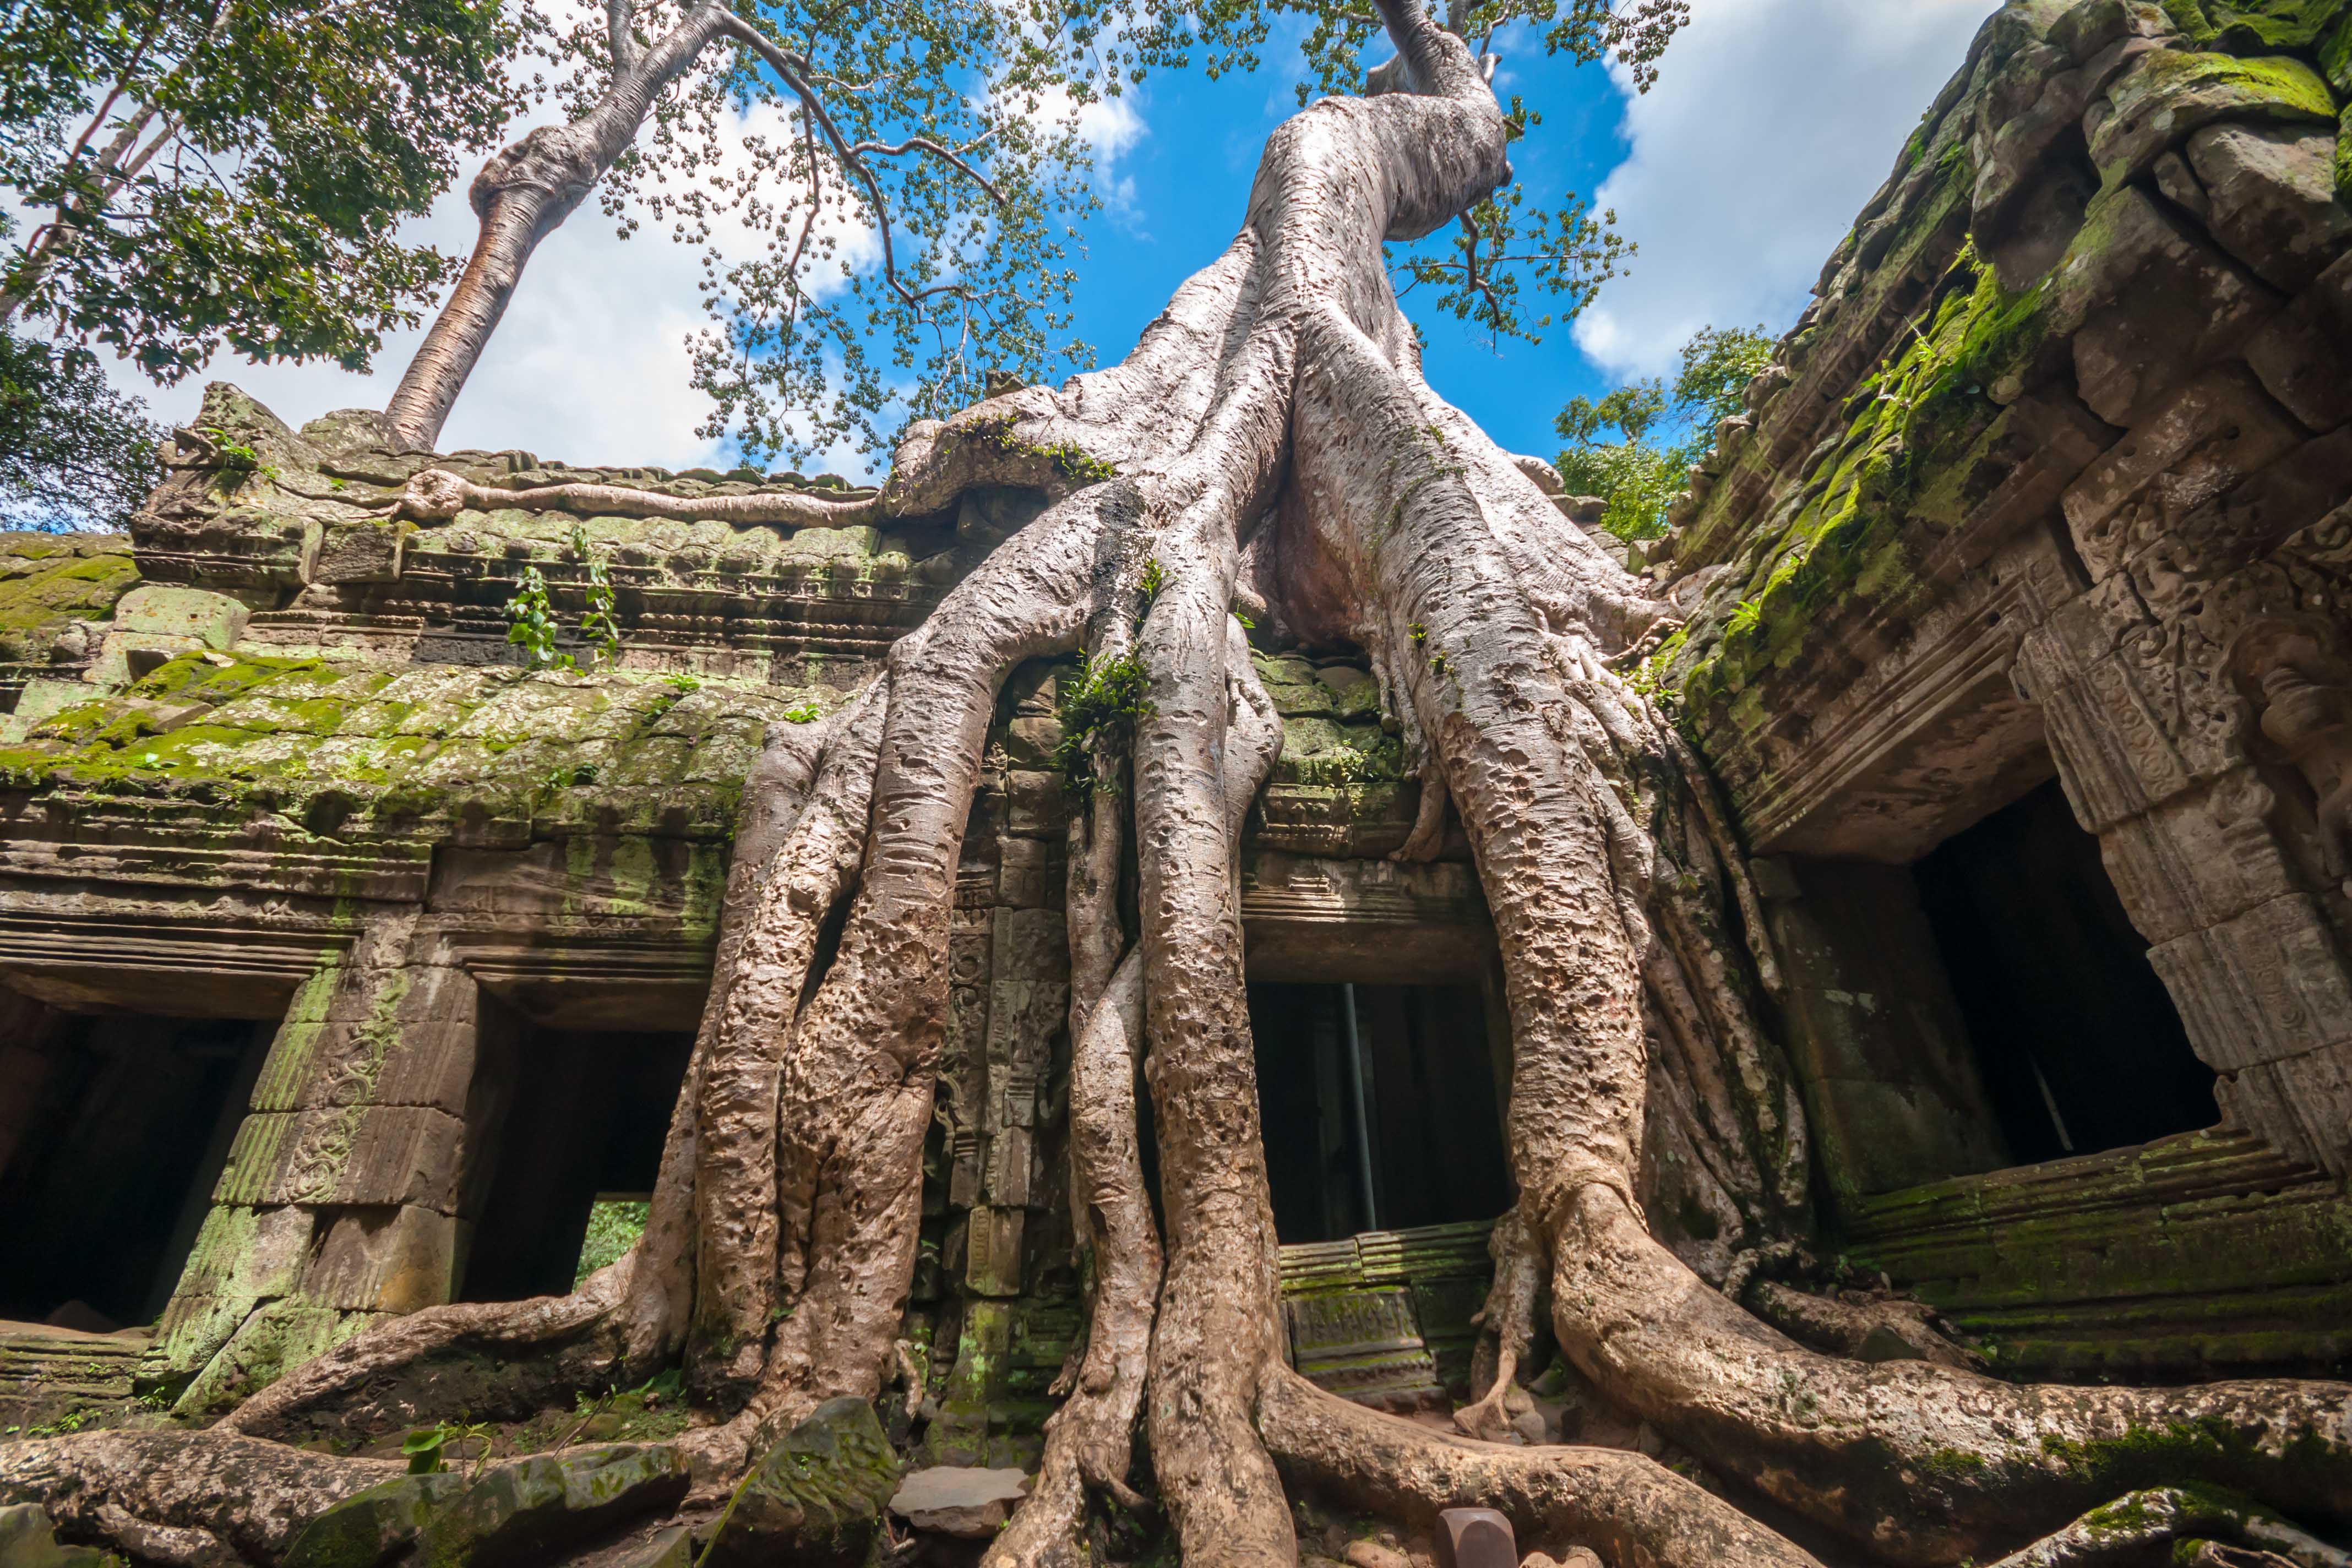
2080	1045
124	1125
586	1115
1378	1107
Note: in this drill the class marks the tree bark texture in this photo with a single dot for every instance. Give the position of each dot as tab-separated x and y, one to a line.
1278	404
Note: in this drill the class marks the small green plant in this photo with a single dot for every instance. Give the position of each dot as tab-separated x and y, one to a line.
1242	615
534	629
72	1421
1419	633
429	1449
1099	706
1153	583
602	623
334	484
683	682
806	713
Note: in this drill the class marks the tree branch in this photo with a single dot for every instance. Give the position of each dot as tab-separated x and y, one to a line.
789	66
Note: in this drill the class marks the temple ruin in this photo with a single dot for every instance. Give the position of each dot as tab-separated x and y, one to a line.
349	964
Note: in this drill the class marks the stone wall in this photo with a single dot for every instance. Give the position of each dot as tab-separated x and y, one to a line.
2055	475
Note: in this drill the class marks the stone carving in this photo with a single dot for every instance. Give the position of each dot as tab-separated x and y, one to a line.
2294	672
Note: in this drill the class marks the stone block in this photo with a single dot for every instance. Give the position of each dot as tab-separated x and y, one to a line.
2147	301
2300	1105
527	1512
275	1337
2266	986
2166	93
816	1499
2271	191
213	620
2302	354
359	552
384	1260
1029	875
962	1500
1031	944
1011	1155
372	1528
1364	1345
43	699
1475	1537
2198	442
993	1251
355	1155
1023	1017
1035	804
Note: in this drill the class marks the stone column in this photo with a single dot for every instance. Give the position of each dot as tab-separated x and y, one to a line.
338	1204
2208	525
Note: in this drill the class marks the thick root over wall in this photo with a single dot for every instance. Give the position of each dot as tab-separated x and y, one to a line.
1275	448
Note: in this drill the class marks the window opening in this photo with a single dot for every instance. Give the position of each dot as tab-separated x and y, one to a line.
585	1120
1377	1106
129	1121
2079	1043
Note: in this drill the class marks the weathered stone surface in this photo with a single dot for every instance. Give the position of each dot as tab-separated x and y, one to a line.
375	1526
818	1497
213	619
2301	353
2166	93
27	1540
519	1513
1475	1537
961	1501
2271	191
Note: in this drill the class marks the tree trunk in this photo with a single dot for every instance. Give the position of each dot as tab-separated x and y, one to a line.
520	196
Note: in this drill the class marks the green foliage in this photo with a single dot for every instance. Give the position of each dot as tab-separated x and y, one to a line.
429	1449
233	173
1640	473
601	623
1499	254
1153	583
1098	708
614	1226
74	452
535	629
806	713
975	196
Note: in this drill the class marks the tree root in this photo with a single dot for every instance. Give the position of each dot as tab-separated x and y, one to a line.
1639	1513
192	1498
2154	1525
1923	1463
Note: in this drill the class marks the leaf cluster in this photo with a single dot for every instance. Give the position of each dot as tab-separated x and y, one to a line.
1661	430
74	452
1098	708
211	173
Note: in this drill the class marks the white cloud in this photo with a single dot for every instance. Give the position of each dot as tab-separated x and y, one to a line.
1772	122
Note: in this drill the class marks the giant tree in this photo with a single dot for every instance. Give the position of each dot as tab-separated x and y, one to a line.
1271	448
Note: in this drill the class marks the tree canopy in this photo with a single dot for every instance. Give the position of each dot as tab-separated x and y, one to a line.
1661	430
234	173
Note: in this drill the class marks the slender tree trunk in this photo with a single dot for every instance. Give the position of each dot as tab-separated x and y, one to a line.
521	196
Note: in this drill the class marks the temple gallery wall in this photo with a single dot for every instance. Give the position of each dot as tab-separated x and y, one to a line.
349	963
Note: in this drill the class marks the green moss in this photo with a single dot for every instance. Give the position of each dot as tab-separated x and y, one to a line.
2260	27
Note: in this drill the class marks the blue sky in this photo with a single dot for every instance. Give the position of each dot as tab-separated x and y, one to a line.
1774	122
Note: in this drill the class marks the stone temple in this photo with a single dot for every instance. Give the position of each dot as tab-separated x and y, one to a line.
349	963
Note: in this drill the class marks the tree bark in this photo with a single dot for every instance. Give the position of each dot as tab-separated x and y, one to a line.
521	195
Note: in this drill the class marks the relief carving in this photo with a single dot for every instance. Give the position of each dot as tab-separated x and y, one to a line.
2295	674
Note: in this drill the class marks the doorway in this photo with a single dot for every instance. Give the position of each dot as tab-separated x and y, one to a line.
2079	1044
1378	1107
586	1115
122	1123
